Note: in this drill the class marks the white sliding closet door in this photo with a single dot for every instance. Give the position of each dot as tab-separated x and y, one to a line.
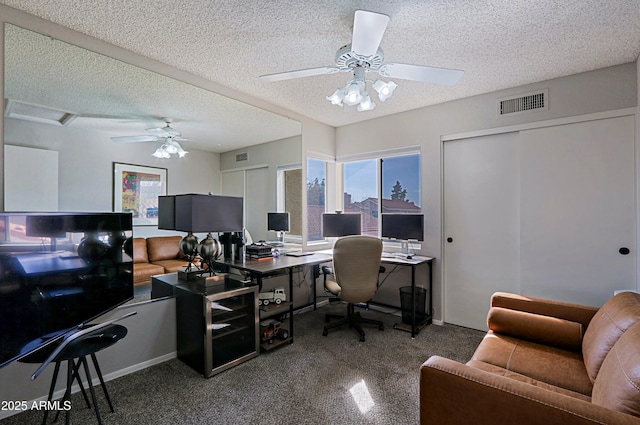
578	210
257	203
253	185
548	212
481	213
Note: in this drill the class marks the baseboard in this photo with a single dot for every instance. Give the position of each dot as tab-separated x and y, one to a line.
310	307
95	381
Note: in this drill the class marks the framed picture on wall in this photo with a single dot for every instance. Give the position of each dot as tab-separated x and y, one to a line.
136	189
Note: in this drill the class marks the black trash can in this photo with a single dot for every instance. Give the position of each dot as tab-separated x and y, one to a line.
420	303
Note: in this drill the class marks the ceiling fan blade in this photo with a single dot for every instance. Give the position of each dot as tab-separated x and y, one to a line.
426	74
368	29
299	74
134	139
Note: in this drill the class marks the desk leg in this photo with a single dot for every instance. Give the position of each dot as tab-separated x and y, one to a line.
291	306
413	301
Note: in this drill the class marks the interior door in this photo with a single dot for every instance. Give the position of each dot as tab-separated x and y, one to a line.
481	213
578	209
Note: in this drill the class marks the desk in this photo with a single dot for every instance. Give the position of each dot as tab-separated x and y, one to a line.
414	262
259	269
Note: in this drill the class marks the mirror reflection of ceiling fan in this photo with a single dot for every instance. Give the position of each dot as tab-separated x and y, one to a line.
168	134
365	55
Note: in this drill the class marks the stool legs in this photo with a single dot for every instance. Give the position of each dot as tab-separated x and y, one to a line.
73	373
104	387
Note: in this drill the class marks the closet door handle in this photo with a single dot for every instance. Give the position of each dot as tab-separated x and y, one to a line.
624	250
449	239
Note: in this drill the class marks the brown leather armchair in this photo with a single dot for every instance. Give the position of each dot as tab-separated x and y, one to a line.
542	362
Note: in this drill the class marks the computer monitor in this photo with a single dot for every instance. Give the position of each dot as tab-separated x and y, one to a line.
278	221
338	225
403	227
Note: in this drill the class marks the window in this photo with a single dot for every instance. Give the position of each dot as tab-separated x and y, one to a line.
382	185
401	184
289	197
316	197
361	193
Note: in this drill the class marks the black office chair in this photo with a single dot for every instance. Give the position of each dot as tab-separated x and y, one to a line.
356	265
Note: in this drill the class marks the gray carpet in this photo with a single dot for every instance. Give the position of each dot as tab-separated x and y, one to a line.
308	382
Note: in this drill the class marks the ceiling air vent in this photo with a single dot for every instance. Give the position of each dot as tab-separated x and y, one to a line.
37	113
242	157
535	101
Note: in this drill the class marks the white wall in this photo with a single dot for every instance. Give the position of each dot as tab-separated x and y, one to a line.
601	90
86	157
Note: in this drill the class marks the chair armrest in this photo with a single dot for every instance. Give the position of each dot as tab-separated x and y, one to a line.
562	310
454	393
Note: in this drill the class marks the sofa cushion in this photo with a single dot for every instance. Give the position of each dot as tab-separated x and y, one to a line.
164	248
617	315
555	366
171	266
617	385
522	378
140	250
536	327
142	272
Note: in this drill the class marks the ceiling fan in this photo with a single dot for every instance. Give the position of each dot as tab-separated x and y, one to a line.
365	55
167	133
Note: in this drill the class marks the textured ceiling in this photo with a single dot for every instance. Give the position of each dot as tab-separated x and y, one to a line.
498	43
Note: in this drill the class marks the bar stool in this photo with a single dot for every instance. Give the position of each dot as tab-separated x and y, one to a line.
75	353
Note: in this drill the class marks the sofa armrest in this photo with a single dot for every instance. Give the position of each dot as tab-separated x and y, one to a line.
537	328
454	393
562	310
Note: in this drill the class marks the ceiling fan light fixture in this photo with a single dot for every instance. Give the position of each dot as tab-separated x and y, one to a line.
337	97
354	94
160	153
384	90
366	104
170	147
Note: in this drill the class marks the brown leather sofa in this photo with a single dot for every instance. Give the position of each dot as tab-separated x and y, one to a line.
156	255
542	362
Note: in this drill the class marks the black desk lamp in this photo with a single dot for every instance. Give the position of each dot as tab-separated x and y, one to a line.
195	213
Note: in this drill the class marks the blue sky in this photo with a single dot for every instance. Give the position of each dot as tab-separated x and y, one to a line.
361	177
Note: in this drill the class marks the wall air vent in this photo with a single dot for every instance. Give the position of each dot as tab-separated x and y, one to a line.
242	157
535	101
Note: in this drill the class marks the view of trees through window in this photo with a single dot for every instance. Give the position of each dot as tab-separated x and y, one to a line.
316	196
396	190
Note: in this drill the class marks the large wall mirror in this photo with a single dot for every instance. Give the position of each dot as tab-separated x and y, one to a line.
68	100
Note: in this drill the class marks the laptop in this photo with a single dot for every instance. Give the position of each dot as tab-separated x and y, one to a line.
299	253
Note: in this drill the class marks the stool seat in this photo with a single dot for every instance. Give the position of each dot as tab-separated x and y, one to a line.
75	353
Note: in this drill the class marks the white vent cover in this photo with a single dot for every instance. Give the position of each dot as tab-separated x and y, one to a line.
43	114
534	101
242	157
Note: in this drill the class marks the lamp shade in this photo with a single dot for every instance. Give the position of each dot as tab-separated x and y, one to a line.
167	212
208	213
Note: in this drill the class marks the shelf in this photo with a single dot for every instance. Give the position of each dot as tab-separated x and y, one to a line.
226	308
271	309
276	343
219	333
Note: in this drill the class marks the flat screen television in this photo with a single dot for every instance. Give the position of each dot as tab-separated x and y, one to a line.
278	221
338	225
59	272
403	227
